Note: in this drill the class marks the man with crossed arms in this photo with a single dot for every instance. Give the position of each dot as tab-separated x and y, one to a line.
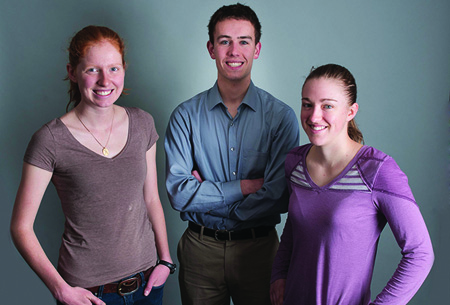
225	152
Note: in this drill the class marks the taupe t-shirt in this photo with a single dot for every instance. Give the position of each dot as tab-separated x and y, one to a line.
107	233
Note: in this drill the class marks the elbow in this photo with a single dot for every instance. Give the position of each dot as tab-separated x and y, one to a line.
428	256
20	230
430	259
176	205
14	230
18	233
178	202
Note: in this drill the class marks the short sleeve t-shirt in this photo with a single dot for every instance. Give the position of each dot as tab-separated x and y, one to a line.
107	232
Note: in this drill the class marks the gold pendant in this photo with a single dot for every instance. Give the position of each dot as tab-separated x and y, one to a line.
105	151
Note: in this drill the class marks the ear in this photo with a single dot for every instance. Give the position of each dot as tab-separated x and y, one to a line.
71	73
257	50
210	48
352	111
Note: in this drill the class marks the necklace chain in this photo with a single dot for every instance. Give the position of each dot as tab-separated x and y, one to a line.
105	150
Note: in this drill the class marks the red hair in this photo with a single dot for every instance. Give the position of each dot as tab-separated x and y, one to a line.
84	39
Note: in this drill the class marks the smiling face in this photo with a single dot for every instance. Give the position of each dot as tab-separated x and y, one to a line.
325	111
234	49
99	74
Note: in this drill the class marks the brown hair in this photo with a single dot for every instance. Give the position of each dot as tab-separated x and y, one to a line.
343	75
235	11
84	39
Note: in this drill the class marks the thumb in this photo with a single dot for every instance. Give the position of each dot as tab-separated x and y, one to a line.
148	287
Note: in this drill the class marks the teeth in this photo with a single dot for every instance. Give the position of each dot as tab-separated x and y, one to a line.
234	64
103	92
318	127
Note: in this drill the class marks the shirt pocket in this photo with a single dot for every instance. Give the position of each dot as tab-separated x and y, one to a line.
254	164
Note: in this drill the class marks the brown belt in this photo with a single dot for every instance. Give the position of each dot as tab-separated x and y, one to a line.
124	287
232	235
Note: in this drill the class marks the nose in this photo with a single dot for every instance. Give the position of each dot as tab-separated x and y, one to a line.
233	49
316	114
103	79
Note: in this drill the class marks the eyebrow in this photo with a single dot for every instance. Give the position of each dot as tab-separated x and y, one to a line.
239	37
322	100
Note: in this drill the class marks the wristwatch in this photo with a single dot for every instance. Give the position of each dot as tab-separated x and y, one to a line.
172	267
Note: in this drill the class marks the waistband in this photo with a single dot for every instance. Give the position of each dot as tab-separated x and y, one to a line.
225	235
123	287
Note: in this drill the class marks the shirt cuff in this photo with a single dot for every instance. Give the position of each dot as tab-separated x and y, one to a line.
232	191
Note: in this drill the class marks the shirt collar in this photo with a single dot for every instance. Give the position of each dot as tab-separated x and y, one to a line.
249	100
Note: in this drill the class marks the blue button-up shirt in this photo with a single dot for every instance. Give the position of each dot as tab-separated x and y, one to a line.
203	136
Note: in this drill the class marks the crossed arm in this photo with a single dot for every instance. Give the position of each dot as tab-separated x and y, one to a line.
248	186
239	200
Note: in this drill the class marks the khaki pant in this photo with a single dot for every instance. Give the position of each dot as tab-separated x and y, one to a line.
213	271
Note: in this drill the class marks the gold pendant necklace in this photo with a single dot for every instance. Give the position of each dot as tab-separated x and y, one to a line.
105	150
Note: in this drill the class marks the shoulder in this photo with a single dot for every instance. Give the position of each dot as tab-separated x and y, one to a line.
272	102
382	173
140	117
138	113
299	151
295	156
190	109
49	131
194	102
41	150
279	113
142	126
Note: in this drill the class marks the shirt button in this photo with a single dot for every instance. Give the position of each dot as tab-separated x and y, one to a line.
232	148
234	173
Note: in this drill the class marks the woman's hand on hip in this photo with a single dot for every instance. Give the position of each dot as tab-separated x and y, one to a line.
277	291
78	296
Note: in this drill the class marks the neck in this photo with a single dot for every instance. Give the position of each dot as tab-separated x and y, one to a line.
95	116
233	92
333	154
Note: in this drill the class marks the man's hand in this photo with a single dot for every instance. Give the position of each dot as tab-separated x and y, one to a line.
197	176
250	186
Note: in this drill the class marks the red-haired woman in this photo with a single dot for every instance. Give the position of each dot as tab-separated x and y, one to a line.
101	159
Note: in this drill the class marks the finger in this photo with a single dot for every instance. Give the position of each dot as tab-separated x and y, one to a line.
95	300
197	176
274	299
148	288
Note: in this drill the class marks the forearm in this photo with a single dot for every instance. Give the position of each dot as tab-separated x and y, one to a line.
411	234
187	194
271	199
408	277
156	217
29	247
29	195
160	273
282	261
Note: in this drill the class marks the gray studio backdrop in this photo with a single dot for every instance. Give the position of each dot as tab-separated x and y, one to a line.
399	52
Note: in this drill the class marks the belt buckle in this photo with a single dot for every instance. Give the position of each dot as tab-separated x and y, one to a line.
127	284
217	232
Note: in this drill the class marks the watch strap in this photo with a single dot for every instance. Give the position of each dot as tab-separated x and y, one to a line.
171	266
